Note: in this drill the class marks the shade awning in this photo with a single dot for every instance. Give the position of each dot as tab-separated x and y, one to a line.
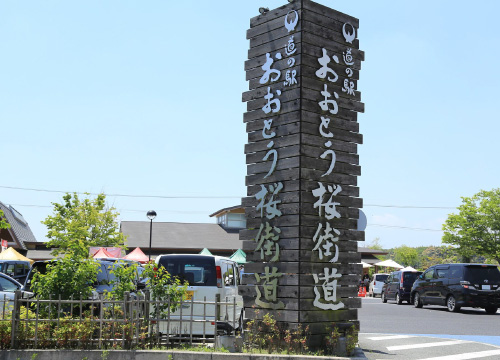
205	251
12	254
239	256
389	263
137	255
408	268
102	253
365	265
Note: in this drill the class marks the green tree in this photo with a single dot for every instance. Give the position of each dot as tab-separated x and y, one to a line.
375	244
443	254
475	230
406	256
165	288
76	225
125	278
3	223
66	277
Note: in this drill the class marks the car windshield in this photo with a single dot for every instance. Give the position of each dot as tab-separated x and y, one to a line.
477	274
197	270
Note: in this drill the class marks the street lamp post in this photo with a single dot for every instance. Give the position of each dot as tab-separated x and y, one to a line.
151	215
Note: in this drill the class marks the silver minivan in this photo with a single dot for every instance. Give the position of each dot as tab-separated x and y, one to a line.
210	278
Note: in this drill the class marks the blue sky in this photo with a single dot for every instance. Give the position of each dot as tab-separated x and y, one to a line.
144	98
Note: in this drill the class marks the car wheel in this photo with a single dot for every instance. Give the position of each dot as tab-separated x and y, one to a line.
491	309
417	302
384	299
451	304
398	299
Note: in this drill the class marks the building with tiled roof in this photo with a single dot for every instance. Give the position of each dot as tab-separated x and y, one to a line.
19	232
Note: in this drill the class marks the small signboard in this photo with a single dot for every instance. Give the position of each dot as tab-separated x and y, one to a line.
4	245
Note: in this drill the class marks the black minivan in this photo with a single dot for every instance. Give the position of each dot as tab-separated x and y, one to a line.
459	285
398	285
16	269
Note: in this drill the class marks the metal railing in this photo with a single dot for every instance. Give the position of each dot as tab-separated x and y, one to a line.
134	322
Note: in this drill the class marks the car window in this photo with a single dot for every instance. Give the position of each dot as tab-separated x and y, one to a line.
478	274
381	277
442	273
20	269
429	274
455	271
237	274
9	269
395	277
410	276
227	274
7	285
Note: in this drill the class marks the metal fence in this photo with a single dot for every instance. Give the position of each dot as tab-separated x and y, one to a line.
135	322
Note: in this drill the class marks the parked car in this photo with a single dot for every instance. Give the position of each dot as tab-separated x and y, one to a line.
8	286
459	285
398	285
375	287
16	269
210	277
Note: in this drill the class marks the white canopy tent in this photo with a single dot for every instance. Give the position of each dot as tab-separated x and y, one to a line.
408	268
365	265
389	263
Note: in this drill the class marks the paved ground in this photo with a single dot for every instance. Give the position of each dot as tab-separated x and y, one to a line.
413	347
391	331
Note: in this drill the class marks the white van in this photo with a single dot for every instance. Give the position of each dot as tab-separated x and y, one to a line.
212	278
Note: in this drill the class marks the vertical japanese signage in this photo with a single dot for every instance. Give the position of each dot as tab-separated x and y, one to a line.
302	165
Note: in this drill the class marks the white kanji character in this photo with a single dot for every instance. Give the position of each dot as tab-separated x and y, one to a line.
330	205
329	287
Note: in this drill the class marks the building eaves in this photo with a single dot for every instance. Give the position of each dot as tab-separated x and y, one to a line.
21	230
225	210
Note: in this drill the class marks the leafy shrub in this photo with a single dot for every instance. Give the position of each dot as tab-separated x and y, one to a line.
269	336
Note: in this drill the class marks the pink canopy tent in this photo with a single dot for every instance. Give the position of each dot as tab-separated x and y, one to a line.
115	252
102	253
137	255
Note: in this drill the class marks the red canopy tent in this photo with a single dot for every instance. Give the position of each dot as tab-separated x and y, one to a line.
115	252
102	253
137	255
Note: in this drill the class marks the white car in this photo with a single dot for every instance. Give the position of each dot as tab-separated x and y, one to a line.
8	286
375	287
210	277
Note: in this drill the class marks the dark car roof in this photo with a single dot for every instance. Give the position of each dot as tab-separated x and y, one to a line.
467	264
